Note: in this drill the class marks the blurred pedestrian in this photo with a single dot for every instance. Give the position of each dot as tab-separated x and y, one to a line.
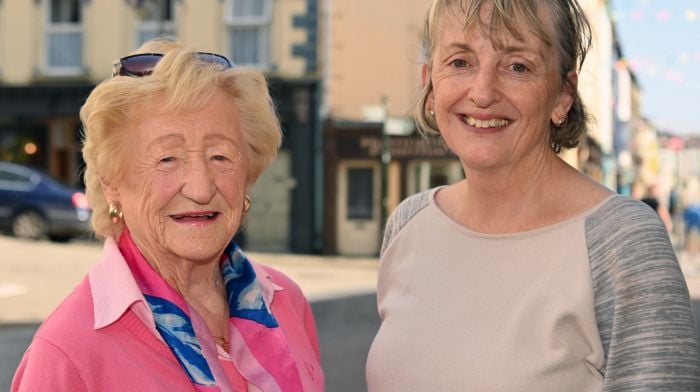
527	275
653	201
691	224
172	144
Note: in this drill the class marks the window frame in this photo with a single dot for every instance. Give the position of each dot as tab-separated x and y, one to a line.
58	28
154	25
264	22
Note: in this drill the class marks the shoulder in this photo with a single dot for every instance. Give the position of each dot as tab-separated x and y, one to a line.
290	288
628	233
627	238
53	356
71	319
280	278
403	213
411	206
621	211
641	299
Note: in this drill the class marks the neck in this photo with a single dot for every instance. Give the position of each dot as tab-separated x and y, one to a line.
504	201
201	285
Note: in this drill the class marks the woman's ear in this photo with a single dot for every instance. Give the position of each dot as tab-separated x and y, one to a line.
566	96
425	80
111	192
424	74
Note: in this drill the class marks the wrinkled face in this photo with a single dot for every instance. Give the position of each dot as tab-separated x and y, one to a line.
184	181
494	106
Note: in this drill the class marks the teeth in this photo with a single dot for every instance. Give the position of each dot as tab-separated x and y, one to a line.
493	123
209	216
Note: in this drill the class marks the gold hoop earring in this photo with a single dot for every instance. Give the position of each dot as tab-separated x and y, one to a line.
115	212
247	202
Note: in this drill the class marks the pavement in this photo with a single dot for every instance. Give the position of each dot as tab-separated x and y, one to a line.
28	297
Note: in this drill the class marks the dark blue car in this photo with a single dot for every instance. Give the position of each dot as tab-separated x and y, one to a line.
35	205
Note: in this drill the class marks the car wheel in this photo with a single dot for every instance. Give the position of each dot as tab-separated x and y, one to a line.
59	238
29	224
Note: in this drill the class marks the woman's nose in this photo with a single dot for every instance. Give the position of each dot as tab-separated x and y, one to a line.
199	184
483	89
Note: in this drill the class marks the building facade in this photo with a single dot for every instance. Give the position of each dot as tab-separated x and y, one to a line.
379	59
53	52
343	73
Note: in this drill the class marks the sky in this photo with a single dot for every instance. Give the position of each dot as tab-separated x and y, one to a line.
660	40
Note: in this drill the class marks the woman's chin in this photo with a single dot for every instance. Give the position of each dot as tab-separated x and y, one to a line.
202	252
202	246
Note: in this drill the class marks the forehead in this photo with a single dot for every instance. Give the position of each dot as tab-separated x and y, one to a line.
215	105
219	116
521	21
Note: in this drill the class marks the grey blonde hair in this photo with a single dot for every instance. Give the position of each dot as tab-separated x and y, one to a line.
572	40
186	84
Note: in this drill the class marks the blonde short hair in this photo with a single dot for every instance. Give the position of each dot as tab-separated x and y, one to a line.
571	41
186	84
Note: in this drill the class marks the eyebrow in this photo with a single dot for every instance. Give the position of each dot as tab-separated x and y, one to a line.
165	138
460	45
221	136
521	49
463	46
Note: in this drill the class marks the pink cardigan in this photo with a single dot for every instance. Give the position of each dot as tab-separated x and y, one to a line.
102	336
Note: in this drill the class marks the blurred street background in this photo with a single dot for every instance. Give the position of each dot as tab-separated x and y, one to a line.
344	75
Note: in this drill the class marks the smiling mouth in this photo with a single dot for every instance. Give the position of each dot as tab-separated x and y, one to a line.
195	217
483	124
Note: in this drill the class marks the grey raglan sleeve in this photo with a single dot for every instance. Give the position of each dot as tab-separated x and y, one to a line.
641	302
401	215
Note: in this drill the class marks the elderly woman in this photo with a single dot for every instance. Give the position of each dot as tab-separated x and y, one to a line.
172	144
527	275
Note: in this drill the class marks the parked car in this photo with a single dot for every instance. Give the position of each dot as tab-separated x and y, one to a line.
35	205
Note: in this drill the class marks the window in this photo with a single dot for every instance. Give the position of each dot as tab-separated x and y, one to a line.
156	19
360	193
248	24
8	176
64	37
11	180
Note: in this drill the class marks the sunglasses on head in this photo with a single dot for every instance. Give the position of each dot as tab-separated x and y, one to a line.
143	64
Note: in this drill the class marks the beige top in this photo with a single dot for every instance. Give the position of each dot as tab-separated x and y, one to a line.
594	303
464	311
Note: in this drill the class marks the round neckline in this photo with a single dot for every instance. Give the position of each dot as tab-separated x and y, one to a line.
519	234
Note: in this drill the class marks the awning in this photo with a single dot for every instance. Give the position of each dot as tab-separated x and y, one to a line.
54	100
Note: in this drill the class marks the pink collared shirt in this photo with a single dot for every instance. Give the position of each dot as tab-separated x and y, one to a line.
102	337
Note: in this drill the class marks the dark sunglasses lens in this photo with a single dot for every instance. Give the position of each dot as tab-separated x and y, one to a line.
214	58
140	65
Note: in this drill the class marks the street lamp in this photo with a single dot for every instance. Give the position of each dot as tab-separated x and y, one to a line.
385	160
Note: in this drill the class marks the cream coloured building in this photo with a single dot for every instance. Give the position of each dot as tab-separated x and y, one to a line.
330	64
372	49
53	52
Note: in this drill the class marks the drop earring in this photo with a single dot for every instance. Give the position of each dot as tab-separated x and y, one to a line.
115	212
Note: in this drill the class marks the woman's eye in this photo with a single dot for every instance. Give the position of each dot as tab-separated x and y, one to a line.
519	68
167	159
459	63
218	158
